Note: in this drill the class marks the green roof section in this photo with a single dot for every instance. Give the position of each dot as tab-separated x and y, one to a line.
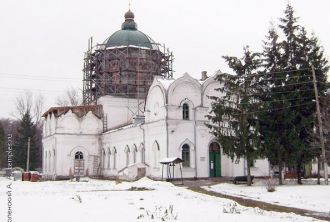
129	35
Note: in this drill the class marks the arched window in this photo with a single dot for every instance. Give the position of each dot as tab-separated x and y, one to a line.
185	111
134	149
143	153
186	155
79	156
114	157
156	151
54	160
50	161
127	155
103	159
46	161
109	156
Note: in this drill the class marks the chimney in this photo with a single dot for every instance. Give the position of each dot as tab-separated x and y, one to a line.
204	75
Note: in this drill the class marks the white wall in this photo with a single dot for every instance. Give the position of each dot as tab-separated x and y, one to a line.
155	132
68	145
314	169
162	135
155	104
123	140
119	111
65	135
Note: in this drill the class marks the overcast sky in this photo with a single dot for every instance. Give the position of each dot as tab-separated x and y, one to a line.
42	41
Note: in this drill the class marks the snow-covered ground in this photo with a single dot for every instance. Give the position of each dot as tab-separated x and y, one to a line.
308	196
101	200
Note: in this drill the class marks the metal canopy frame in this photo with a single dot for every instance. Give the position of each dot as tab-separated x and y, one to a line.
171	162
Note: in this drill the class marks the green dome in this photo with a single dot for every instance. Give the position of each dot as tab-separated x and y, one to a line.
129	35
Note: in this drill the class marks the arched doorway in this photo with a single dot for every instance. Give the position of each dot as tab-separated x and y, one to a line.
79	164
214	160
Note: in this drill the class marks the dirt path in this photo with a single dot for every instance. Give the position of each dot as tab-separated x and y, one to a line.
195	185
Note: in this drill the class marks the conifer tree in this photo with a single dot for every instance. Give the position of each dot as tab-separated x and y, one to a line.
232	119
274	118
27	129
289	92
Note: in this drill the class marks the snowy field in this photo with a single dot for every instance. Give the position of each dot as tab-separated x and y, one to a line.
105	201
308	196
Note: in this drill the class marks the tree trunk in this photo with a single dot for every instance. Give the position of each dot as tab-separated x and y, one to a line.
280	168
248	169
298	170
318	170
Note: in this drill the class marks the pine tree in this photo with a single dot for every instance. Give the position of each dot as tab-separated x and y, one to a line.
275	117
232	119
27	129
288	92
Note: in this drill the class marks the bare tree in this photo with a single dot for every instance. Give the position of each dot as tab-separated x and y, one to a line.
23	103
28	102
38	107
71	97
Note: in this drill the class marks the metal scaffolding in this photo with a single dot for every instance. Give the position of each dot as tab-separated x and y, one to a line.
125	71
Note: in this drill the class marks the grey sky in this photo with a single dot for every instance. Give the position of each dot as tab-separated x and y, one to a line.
42	41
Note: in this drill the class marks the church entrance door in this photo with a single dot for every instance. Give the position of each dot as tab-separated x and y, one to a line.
214	160
79	165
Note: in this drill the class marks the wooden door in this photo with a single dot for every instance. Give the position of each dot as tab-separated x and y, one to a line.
214	160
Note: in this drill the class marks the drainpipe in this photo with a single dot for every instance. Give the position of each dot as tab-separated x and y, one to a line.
195	142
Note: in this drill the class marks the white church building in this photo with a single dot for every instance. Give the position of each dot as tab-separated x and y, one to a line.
126	137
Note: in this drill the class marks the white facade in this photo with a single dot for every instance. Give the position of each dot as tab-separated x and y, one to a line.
138	134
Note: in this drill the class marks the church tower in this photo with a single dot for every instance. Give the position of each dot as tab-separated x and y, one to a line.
125	64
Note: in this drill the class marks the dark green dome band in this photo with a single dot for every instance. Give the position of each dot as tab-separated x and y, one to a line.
130	36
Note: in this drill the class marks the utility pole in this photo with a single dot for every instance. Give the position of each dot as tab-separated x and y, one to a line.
28	156
325	165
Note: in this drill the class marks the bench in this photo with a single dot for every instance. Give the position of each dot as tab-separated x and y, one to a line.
242	179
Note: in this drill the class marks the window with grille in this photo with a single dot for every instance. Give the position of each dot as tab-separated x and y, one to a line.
186	155
79	155
185	111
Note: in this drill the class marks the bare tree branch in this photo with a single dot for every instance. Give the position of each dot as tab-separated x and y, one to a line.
23	104
71	97
39	101
28	102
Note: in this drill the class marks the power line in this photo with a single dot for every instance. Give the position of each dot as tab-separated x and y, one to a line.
291	84
269	93
36	76
284	71
279	101
269	73
42	79
281	78
268	110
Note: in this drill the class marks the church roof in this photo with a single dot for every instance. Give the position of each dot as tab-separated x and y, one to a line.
80	111
167	83
129	35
